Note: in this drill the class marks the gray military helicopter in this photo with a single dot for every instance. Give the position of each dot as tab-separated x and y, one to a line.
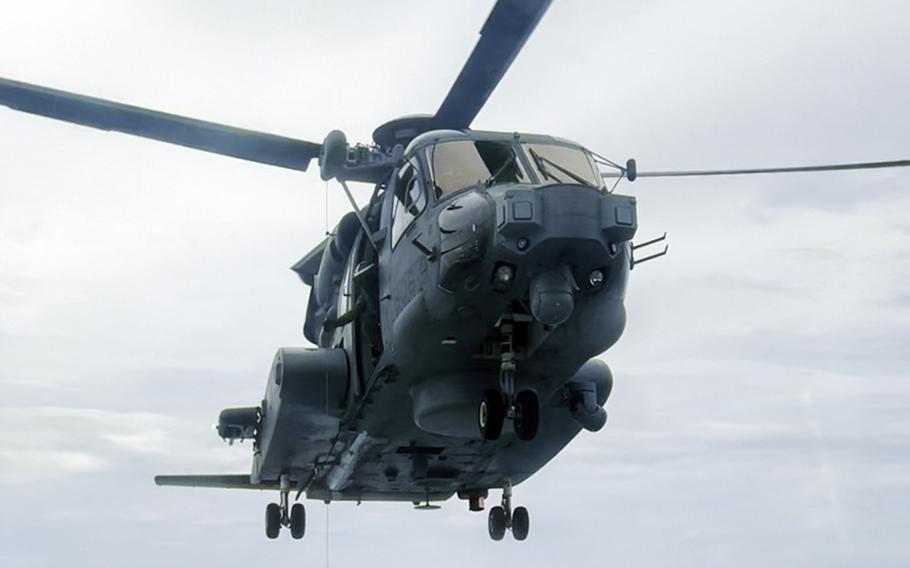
457	316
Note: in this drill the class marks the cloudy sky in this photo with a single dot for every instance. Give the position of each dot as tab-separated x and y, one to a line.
761	412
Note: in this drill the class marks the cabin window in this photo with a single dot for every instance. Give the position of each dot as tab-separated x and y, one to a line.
410	200
461	164
563	164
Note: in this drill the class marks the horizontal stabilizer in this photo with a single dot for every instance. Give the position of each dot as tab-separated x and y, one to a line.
237	481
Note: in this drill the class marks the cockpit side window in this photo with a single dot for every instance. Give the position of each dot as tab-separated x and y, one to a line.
410	200
461	164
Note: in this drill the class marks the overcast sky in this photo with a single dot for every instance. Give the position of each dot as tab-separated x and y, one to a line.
761	409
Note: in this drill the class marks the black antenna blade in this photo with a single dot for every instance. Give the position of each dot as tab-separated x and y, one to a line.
503	35
198	134
777	170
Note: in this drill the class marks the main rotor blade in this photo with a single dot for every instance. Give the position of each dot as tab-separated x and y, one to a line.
190	132
791	169
501	38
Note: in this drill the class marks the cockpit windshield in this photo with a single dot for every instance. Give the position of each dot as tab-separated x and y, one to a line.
459	164
563	164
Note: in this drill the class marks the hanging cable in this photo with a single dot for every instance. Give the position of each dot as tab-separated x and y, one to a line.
327	208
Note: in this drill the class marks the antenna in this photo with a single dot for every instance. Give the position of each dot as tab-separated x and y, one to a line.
633	262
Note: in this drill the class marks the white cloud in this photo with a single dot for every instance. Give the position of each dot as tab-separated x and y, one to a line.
66	441
23	465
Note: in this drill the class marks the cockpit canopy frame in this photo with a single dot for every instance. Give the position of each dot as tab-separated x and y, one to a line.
455	160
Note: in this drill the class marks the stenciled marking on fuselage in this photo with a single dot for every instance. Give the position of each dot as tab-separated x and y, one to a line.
407	286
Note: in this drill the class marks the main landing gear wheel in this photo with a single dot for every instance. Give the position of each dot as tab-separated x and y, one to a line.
272	520
527	415
281	514
497	522
491	414
298	521
521	522
503	518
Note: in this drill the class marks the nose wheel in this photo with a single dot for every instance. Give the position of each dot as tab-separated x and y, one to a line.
279	515
502	518
522	408
524	413
491	414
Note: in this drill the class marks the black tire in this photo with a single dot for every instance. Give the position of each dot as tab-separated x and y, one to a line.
527	415
496	523
491	413
521	522
272	520
298	520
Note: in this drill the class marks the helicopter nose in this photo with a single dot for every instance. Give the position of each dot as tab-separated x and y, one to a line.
563	244
550	248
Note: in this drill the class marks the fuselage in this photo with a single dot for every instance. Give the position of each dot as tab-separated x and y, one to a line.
481	243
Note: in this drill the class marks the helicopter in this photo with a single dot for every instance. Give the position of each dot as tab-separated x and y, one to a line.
458	316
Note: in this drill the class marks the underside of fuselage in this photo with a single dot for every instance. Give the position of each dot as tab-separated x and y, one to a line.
383	454
457	336
397	460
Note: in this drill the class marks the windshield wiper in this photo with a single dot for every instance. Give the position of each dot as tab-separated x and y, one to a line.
499	171
541	165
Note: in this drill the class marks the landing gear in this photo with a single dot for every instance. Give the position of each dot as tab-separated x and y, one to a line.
497	522
521	522
524	412
491	414
523	408
298	520
272	520
502	518
279	515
